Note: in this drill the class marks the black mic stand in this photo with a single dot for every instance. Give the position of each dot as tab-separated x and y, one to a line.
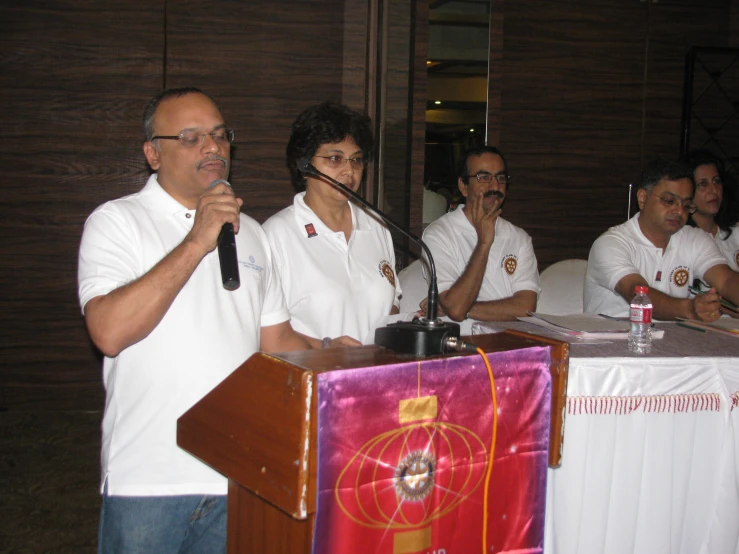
424	336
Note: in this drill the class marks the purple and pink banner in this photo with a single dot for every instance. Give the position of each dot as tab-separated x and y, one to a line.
403	452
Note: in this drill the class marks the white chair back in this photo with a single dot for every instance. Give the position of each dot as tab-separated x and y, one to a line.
562	287
414	287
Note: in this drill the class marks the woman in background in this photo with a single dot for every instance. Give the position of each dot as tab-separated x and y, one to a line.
715	201
336	260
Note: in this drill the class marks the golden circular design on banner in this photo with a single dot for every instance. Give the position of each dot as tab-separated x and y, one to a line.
414	477
372	475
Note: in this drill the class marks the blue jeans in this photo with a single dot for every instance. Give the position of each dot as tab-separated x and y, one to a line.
162	525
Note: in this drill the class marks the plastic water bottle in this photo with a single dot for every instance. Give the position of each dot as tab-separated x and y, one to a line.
640	319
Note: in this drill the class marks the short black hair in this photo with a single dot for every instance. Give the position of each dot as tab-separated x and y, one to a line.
153	104
661	168
728	213
326	123
462	171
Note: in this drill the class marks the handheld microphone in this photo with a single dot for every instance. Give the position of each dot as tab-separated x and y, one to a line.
227	251
424	336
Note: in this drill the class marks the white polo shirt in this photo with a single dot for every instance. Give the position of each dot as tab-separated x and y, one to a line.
511	263
624	250
729	247
333	288
206	334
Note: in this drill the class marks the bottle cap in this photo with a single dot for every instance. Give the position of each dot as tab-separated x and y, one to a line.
641	289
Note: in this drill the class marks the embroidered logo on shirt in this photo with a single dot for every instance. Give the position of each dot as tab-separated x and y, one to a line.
387	271
509	263
659	276
736	257
251	264
680	276
310	230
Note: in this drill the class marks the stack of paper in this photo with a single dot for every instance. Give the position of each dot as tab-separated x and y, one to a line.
585	326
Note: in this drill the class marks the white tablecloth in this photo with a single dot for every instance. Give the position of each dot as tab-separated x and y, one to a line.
651	449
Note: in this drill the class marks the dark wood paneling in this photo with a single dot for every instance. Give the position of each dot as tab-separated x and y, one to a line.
75	78
70	105
495	72
571	118
590	91
395	111
418	129
264	63
673	26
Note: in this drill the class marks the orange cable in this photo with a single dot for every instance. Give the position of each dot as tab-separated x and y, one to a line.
492	452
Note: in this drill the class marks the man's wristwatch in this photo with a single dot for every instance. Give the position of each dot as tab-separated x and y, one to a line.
326	342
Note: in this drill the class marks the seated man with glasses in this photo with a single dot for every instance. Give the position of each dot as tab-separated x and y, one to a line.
656	249
151	291
486	268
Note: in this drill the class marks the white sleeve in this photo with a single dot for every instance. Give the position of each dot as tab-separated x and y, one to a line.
391	255
274	310
445	254
611	259
526	276
109	254
707	256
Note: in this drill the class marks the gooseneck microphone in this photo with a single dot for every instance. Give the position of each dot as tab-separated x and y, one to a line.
227	250
424	336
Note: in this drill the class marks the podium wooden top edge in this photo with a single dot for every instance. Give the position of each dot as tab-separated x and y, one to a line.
370	355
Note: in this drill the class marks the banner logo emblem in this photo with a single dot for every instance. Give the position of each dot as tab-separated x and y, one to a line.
414	477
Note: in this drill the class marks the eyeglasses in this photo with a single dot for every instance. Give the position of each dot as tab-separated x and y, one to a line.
191	139
671	201
335	162
488	178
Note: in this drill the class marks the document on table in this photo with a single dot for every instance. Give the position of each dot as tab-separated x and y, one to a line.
585	325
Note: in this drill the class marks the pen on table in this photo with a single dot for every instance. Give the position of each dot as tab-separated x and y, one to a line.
679	324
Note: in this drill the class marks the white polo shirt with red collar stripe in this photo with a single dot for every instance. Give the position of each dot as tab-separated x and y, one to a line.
624	250
333	287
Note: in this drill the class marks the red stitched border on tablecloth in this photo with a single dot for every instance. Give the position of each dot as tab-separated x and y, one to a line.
735	400
674	403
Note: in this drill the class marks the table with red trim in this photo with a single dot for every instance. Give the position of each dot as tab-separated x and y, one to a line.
651	448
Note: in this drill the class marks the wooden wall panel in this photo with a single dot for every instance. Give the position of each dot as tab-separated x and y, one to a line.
495	72
673	26
70	138
75	78
418	128
264	63
572	74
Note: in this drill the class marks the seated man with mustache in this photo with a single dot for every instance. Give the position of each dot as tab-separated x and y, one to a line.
656	249
486	267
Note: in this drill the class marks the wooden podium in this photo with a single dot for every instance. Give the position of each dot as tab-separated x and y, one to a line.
258	428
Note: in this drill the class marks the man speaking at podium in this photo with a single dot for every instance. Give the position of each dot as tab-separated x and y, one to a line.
151	290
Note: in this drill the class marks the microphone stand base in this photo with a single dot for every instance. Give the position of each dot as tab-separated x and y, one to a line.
418	337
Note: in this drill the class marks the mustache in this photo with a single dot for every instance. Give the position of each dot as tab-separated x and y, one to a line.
493	193
209	159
